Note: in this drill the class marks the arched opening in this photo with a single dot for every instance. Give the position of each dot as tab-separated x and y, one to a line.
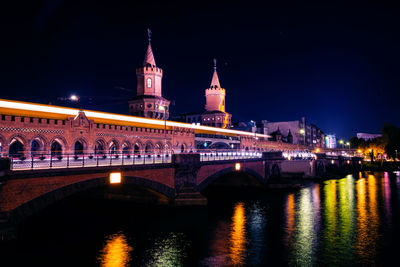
56	149
113	148
99	148
183	148
35	148
78	148
148	149
125	150
16	149
158	149
220	145
136	149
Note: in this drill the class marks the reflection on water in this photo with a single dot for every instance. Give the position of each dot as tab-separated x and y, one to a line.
349	221
168	250
238	234
116	251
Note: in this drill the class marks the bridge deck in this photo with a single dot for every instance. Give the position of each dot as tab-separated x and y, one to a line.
84	161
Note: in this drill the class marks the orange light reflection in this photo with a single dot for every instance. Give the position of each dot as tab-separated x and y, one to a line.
116	251
238	235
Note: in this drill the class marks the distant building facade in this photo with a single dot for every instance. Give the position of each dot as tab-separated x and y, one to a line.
367	136
293	132
330	141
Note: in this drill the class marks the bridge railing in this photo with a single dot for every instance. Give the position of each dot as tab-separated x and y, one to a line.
47	161
214	155
59	161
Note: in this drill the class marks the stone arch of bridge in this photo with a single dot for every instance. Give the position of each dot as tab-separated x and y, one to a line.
231	170
40	201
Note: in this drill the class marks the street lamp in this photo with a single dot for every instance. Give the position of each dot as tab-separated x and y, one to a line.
164	108
74	98
348	144
303	132
341	142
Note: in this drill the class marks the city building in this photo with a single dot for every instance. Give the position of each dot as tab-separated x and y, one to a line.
293	132
367	136
330	141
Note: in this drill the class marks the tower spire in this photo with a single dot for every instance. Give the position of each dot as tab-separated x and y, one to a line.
149	57
215	81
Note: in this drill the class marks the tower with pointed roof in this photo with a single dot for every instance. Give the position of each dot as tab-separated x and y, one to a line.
149	102
215	114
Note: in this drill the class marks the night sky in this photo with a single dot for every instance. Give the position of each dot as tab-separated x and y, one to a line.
336	64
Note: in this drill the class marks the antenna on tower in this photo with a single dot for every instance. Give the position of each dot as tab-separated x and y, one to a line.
215	64
149	34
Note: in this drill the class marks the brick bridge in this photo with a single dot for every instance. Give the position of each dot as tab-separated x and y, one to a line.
181	181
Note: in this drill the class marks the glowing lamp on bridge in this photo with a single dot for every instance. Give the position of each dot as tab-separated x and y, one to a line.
237	166
332	161
115	178
317	150
74	98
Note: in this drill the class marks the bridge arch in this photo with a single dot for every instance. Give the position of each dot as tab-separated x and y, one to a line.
80	146
62	143
220	145
214	177
159	148
40	201
100	146
137	147
148	147
113	146
38	145
168	148
17	145
126	147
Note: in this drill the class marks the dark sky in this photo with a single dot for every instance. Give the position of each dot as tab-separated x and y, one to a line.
336	64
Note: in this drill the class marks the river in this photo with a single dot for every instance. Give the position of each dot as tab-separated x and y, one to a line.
353	221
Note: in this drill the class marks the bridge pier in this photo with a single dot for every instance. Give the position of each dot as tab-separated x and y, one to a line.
186	169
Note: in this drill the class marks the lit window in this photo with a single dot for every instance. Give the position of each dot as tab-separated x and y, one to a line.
148	83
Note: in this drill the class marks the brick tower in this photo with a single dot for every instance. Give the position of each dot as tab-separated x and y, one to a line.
149	102
215	114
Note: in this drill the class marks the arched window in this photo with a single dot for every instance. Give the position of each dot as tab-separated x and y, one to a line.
148	82
35	148
137	149
16	149
98	148
78	147
56	149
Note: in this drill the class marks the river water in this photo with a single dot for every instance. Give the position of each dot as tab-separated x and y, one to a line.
352	221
